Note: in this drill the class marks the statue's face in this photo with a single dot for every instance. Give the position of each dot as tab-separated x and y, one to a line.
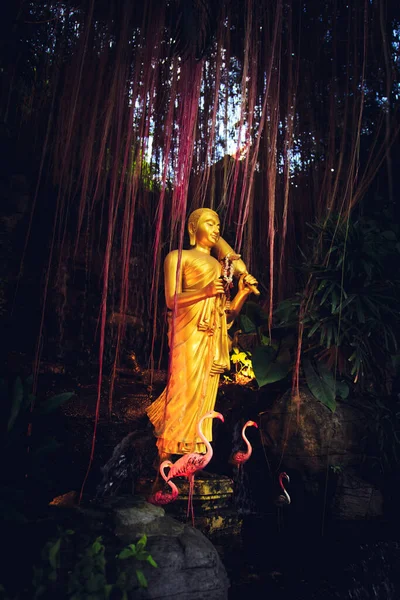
207	231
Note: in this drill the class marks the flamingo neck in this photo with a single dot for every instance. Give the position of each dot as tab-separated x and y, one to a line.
249	448
284	490
166	463
173	487
201	435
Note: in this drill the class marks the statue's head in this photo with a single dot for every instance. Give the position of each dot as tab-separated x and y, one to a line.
195	219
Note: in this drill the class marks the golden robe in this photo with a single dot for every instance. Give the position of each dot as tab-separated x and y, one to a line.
198	339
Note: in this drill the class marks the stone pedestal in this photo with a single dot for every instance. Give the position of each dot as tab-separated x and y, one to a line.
214	513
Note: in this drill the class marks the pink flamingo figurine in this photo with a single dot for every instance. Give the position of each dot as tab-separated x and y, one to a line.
189	464
283	498
240	457
161	497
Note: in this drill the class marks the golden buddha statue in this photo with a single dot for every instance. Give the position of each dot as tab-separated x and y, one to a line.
199	318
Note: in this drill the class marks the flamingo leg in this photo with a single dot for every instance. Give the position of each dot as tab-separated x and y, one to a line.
188	504
191	501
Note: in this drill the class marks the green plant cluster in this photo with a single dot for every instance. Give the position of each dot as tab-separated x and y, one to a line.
243	362
352	298
347	312
90	576
382	434
25	450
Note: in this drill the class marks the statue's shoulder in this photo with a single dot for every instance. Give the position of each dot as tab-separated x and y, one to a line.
173	256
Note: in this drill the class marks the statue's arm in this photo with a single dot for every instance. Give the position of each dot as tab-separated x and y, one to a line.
173	286
245	288
222	249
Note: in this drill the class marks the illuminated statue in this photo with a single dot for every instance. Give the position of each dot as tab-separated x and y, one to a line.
199	317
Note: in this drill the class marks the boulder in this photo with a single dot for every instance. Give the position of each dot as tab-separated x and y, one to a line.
309	437
189	567
356	498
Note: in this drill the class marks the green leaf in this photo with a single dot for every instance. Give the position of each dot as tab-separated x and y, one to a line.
17	397
142	555
374	308
395	360
335	301
247	325
54	552
286	311
322	336
28	401
342	389
97	546
122	580
326	375
265	340
389	235
329	335
328	291
256	315
55	402
239	357
95	583
151	560
142	542
268	366
141	578
127	552
321	286
344	304
360	312
314	328
318	386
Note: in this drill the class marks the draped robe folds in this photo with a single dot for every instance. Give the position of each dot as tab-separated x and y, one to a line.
198	339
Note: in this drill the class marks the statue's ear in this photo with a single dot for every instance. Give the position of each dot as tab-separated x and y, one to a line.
192	234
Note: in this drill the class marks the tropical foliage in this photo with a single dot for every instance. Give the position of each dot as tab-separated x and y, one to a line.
352	304
347	315
25	448
84	573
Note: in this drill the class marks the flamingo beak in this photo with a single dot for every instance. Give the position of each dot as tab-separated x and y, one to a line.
221	417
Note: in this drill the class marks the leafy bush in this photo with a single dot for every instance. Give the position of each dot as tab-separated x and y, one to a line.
351	300
347	315
22	443
93	574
